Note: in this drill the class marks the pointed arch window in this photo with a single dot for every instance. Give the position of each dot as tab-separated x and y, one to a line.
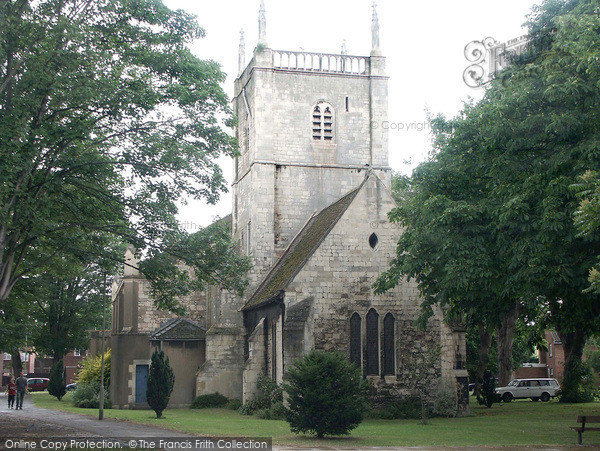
389	363
355	342
372	348
322	122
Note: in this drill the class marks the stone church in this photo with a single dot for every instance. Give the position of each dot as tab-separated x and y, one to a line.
311	194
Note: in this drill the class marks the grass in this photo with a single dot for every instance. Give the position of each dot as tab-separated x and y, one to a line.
519	423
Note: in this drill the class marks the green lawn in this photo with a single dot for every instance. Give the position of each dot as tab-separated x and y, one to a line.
518	423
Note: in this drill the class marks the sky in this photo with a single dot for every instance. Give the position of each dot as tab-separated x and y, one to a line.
423	41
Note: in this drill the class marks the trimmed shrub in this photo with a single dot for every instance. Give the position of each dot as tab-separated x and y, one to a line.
87	396
234	404
326	394
160	383
212	400
56	384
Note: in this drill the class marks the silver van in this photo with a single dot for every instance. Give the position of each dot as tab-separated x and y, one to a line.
535	389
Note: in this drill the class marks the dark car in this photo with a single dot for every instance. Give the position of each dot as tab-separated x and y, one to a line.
37	383
72	386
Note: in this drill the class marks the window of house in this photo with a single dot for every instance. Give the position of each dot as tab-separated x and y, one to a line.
550	350
7	356
372	349
355	344
76	352
322	122
389	364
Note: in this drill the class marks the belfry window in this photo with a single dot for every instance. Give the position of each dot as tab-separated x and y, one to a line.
322	122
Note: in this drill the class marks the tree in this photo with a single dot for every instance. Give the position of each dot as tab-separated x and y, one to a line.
496	199
160	383
65	303
107	122
326	394
56	385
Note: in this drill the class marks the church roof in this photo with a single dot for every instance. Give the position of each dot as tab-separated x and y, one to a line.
299	251
180	329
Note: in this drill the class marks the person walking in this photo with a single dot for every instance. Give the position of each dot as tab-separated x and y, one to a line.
21	384
11	389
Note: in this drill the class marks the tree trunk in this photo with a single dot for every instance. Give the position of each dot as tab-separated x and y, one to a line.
485	343
17	364
506	338
573	343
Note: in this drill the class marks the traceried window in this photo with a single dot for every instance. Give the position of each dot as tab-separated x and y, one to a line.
372	351
355	345
322	122
389	364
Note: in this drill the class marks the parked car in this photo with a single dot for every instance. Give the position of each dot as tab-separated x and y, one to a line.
37	383
535	389
72	386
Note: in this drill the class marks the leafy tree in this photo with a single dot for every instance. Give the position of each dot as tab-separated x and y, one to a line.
587	216
107	122
160	383
497	200
56	385
326	394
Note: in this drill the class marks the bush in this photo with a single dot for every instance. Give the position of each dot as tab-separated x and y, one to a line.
326	394
56	384
90	369
579	384
446	399
211	400
160	383
87	396
276	412
249	408
406	408
487	395
234	404
269	392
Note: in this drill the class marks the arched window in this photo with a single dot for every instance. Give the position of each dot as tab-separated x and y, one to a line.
389	362
372	351
322	122
355	346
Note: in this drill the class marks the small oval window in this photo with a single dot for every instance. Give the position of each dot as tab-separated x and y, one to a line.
373	240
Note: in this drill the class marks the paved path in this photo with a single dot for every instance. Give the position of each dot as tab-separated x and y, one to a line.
34	421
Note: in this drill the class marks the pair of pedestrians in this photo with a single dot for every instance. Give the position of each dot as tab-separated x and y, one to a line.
17	389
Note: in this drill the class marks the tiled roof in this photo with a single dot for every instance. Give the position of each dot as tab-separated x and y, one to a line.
179	329
299	251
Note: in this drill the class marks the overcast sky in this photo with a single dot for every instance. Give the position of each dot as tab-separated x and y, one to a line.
423	41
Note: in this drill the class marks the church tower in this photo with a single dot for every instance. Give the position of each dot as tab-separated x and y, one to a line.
309	127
